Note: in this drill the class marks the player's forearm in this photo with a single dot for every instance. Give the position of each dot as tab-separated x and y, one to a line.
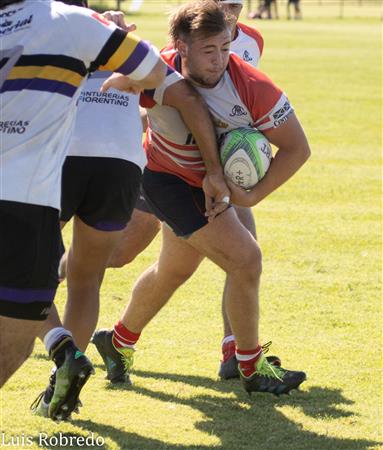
197	118
285	164
156	77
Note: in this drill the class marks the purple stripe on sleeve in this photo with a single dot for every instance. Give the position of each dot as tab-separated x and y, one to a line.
27	295
39	84
135	59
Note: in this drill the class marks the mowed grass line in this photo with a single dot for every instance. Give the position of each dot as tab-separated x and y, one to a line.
321	287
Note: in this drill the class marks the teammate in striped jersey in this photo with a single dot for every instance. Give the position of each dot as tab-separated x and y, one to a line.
237	95
47	50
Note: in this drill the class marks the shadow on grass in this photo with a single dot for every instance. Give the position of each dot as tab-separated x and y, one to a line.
233	420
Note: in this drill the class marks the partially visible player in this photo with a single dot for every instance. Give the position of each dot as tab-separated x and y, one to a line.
172	185
40	76
247	43
297	9
100	184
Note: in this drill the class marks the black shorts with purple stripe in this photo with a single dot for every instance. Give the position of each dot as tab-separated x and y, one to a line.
30	240
175	202
102	192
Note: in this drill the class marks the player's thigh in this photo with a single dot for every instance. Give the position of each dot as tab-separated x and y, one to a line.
229	244
142	228
90	245
16	343
246	217
177	257
29	256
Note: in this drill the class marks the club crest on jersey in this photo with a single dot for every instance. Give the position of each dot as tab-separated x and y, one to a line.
237	111
246	56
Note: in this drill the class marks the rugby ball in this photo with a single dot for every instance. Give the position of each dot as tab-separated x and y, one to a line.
245	156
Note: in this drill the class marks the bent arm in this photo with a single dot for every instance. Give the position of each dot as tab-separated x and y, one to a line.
196	116
293	152
124	83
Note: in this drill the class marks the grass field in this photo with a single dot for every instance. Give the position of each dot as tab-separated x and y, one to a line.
321	289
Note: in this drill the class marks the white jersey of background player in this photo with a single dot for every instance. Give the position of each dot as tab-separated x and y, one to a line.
246	42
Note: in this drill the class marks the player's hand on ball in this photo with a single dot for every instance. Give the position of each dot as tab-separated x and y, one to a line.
121	83
217	194
240	196
118	18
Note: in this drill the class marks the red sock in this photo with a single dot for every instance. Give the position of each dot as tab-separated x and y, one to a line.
122	337
247	360
228	350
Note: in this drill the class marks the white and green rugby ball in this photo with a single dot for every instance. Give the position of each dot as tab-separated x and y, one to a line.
245	156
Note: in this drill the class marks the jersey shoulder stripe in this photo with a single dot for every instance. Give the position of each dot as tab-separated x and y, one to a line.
37	84
60	61
45	73
253	33
110	47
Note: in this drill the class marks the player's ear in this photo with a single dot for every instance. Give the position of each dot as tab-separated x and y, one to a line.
181	47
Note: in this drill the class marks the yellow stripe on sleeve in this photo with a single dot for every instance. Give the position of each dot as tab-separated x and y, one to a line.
47	73
122	53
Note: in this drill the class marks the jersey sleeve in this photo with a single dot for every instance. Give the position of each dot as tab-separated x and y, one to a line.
155	96
104	46
254	34
267	103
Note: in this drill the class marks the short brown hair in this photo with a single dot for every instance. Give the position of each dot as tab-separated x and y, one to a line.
199	18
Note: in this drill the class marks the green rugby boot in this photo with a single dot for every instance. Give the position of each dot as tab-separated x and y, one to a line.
40	406
228	367
73	371
119	362
271	379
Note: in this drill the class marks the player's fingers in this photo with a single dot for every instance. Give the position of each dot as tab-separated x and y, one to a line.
105	85
208	204
130	27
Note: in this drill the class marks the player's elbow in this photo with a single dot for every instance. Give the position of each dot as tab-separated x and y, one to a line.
156	77
305	151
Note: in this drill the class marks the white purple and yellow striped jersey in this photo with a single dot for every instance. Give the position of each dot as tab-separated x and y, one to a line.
47	50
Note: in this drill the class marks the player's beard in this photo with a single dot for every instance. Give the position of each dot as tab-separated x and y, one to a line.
203	82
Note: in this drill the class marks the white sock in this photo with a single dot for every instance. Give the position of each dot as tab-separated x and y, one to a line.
54	335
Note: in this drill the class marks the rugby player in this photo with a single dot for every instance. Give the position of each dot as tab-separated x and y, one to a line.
100	183
47	50
247	43
172	184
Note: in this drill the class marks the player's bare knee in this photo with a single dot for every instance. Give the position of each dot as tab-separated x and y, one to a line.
249	268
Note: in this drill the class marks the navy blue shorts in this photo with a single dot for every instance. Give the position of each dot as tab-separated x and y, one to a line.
102	192
142	204
30	241
173	201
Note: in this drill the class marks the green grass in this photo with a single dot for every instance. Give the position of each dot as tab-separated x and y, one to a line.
321	288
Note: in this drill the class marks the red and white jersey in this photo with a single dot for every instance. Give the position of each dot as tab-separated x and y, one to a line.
248	44
244	97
